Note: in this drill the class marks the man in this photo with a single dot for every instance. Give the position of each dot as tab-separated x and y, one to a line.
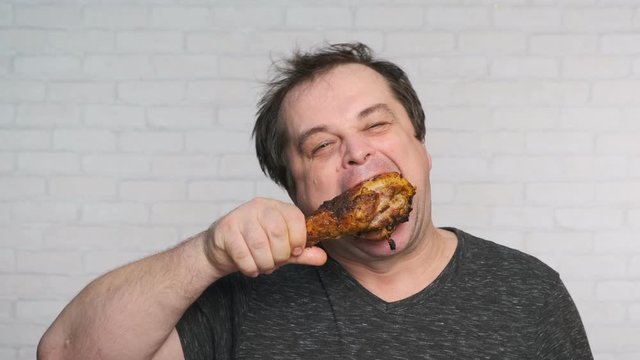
332	119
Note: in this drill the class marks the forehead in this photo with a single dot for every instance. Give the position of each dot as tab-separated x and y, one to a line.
340	92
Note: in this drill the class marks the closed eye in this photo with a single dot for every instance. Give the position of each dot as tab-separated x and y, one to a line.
322	146
377	125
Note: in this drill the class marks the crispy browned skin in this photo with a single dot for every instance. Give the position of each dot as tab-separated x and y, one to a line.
371	209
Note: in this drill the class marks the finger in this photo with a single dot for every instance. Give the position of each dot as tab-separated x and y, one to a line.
297	228
258	243
310	256
275	226
241	256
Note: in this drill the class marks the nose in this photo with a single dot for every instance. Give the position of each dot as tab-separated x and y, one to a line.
356	152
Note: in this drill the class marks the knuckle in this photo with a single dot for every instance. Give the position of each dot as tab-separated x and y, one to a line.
277	230
274	223
238	252
259	244
243	259
223	225
259	201
224	233
264	262
256	239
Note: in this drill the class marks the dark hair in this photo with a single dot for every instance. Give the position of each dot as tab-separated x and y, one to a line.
269	132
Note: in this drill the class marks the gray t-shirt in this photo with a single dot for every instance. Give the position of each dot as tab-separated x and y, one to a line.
490	302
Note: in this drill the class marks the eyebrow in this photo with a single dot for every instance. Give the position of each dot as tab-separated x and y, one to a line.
308	133
361	115
373	108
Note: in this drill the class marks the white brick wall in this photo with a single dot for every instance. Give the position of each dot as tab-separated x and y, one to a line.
126	127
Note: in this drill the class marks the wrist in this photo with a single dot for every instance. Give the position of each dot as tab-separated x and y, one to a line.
204	243
198	267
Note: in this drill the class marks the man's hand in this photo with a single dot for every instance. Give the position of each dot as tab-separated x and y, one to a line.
258	237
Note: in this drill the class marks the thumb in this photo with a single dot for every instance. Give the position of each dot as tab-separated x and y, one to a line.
310	256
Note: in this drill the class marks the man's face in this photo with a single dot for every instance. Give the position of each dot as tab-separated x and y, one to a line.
344	127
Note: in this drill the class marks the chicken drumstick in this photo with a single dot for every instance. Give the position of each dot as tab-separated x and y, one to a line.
372	209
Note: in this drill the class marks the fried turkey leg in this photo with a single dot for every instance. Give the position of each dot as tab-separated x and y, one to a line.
372	209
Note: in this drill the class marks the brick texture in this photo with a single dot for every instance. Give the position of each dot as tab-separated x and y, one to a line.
125	127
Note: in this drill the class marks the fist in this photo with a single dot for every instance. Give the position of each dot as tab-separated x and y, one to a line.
258	237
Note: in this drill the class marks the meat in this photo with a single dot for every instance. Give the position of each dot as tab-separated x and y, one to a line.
372	210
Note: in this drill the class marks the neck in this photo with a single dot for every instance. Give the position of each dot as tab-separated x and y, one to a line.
401	276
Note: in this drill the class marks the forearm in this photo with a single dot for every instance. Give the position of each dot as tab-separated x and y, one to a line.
129	312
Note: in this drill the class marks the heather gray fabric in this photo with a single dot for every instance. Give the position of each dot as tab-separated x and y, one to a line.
490	302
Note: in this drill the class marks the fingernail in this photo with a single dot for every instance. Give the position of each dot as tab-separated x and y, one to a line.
296	251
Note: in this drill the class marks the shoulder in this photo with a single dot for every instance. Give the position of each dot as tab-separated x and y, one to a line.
487	254
501	268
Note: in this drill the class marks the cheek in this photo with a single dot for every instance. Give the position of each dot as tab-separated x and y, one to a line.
296	167
405	148
313	190
412	158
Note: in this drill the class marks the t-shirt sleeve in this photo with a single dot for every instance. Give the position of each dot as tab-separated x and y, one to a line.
206	329
196	336
561	333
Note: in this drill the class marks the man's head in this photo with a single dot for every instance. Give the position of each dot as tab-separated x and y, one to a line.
270	133
335	118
